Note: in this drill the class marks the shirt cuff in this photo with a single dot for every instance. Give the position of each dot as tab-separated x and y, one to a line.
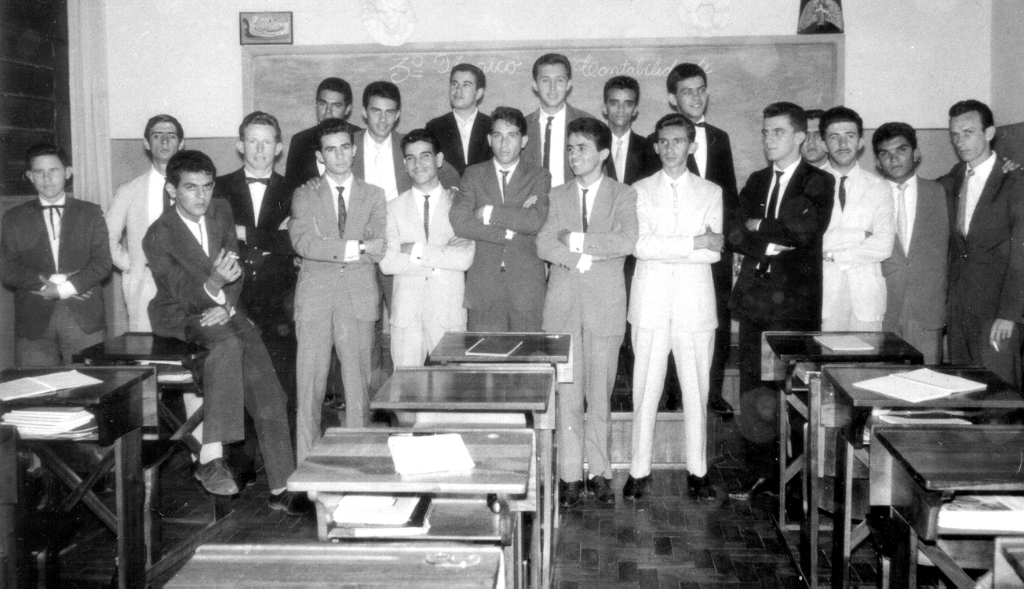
66	289
351	250
509	234
416	255
576	242
771	250
487	214
220	299
585	262
58	278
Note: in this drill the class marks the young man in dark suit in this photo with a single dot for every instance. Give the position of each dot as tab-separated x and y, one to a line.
552	82
784	212
463	132
193	252
632	156
54	252
502	205
333	101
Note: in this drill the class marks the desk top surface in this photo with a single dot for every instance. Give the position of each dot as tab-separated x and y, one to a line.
968	458
802	347
999	394
359	461
467	388
140	347
548	348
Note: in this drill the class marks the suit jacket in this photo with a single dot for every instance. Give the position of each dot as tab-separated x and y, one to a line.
533	152
264	233
84	257
673	282
181	268
598	296
915	281
446	129
783	290
447	175
858	259
433	288
641	160
326	281
986	268
301	163
480	187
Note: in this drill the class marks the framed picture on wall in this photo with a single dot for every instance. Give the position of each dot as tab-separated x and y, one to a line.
265	28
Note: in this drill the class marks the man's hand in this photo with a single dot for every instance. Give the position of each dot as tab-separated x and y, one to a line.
407	248
1009	165
752	224
314	183
82	297
709	240
457	241
563	237
214	316
375	247
530	201
1001	329
240	232
480	214
48	291
225	271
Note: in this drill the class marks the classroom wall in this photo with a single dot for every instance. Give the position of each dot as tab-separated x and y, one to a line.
1007	56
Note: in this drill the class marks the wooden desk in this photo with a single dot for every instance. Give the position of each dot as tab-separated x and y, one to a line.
117	405
914	469
853	407
782	352
1008	567
497	389
538	348
331	565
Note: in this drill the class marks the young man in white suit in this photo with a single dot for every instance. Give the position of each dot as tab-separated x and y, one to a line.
860	234
427	259
672	304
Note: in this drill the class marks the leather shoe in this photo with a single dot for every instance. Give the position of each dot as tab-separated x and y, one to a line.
216	477
761	486
290	502
570	493
700	487
721	406
635	488
602	489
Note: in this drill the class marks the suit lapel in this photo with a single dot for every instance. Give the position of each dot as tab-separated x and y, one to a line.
271	199
602	208
795	184
243	199
190	248
477	137
988	195
358	169
327	210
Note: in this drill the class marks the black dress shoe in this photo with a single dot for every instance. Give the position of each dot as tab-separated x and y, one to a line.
290	502
570	493
216	477
762	486
721	406
601	489
635	488
700	487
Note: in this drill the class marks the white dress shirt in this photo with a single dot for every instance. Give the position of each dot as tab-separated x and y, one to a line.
556	162
465	130
577	238
380	165
700	155
155	200
416	254
910	201
256	191
787	175
975	186
351	245
620	148
53	221
202	236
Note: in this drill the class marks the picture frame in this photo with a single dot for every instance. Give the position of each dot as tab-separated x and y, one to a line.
265	28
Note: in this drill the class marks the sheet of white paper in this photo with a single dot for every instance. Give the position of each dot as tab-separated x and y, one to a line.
426	454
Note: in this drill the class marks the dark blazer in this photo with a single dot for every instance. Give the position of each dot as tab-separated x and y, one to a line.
915	281
84	256
181	267
301	162
479	187
446	129
786	290
641	160
986	269
533	154
447	175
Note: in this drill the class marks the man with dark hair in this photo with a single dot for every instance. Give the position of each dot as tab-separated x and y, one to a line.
463	132
784	211
632	156
193	252
672	305
860	232
687	86
502	204
333	101
338	227
590	229
813	150
986	260
552	83
137	204
54	252
915	273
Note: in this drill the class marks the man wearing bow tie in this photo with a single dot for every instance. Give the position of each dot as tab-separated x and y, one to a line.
54	253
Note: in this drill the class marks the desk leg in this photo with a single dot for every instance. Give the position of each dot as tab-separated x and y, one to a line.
903	569
811	491
783	448
131	537
546	509
843	507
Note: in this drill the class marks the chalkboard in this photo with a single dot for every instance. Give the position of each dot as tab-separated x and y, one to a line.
744	75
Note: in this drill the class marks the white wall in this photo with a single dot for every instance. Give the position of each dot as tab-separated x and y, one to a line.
1007	60
906	59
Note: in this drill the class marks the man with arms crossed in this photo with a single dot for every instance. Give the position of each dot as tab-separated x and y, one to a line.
590	229
462	133
552	82
333	101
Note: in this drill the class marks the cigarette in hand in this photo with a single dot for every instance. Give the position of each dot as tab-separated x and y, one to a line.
995	345
232	255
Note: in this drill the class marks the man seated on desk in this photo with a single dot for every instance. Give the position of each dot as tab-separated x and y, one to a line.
193	253
463	132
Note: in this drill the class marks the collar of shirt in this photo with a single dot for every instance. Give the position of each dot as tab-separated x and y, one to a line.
347	194
787	173
911	184
511	169
435	197
669	180
625	145
466	124
57	203
910	200
198	231
983	170
257	190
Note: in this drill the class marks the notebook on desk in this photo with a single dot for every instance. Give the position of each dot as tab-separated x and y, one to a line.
369	516
844	343
919	385
494	347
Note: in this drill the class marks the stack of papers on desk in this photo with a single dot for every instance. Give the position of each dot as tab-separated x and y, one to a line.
990	513
844	343
428	454
367	516
919	385
494	347
52	422
32	386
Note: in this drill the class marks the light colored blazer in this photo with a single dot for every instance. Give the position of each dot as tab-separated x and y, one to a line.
599	294
437	285
673	281
858	259
915	281
326	282
127	223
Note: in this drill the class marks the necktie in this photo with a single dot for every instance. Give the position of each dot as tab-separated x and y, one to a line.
426	216
773	200
585	209
547	144
842	193
56	214
342	213
620	162
263	181
901	218
701	124
962	212
504	184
